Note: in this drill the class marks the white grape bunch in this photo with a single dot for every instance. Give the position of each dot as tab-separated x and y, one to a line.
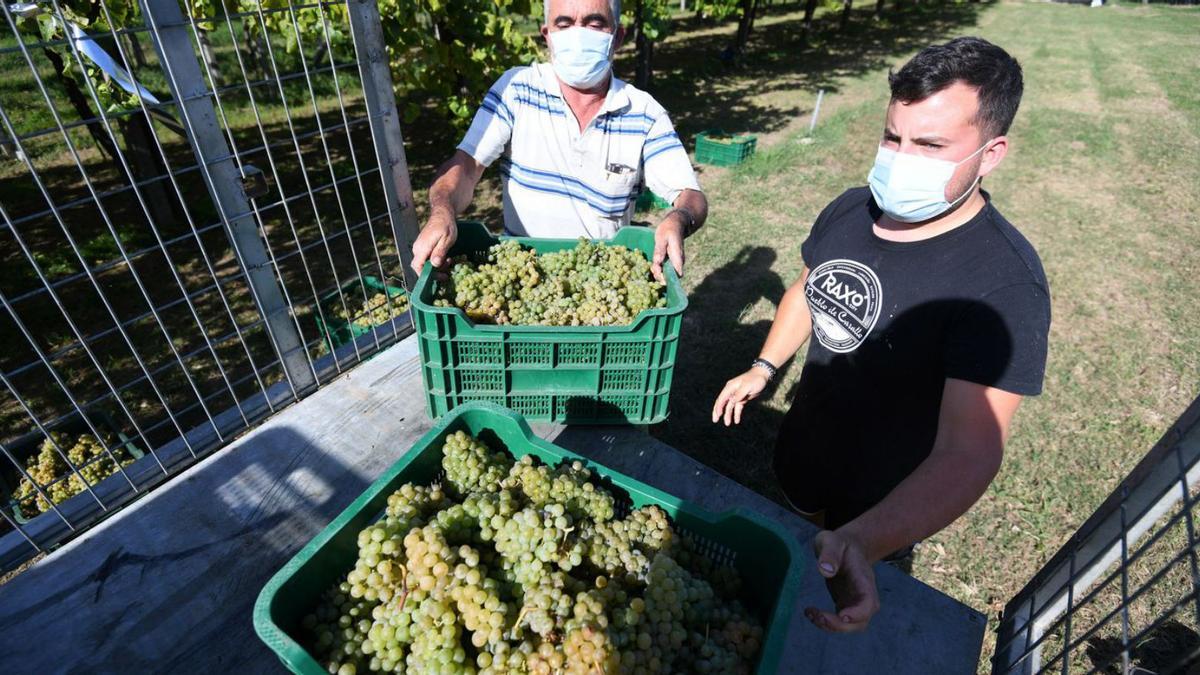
513	566
592	284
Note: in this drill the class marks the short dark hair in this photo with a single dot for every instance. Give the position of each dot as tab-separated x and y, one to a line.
992	72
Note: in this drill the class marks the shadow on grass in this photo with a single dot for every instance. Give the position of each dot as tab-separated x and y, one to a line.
714	346
702	91
1170	647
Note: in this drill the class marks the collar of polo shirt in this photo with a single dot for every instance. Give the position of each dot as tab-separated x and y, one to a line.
616	99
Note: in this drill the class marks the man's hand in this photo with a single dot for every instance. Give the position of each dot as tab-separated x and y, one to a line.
435	240
668	243
851	583
737	393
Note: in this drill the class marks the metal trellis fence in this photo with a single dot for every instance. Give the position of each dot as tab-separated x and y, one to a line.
205	213
1123	594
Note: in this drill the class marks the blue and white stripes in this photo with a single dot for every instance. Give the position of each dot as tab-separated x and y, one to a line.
608	204
660	144
563	181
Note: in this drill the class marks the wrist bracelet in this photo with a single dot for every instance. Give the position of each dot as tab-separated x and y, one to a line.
767	366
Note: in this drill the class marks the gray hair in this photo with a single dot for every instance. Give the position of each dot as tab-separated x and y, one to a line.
613	5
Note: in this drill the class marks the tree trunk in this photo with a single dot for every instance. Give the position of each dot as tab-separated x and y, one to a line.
846	4
210	57
642	70
135	48
878	8
256	53
80	102
318	57
745	22
146	163
810	8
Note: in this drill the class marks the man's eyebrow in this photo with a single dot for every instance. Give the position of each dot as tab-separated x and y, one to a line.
564	17
936	140
596	17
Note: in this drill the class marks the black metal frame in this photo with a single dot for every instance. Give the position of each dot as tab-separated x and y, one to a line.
1157	496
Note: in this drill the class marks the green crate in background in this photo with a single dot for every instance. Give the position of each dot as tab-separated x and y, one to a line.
720	149
766	555
647	200
27	446
573	374
337	331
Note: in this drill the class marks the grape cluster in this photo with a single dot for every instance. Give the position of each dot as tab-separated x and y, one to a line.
377	311
86	454
592	284
518	567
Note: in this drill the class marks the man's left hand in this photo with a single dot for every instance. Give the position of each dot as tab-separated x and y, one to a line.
851	583
668	244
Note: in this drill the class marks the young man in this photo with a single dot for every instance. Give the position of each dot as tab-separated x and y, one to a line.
930	313
574	144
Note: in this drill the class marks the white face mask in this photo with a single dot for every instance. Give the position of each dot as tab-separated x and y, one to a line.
581	57
912	188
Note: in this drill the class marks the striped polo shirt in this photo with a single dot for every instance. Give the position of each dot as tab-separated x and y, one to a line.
559	182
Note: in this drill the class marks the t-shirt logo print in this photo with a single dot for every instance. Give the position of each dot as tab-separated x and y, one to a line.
844	298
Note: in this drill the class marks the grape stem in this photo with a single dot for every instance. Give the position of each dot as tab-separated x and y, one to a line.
403	587
562	543
512	635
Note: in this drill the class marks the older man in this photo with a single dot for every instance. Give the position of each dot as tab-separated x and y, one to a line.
574	144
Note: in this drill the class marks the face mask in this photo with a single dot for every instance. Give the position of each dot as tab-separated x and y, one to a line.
582	57
912	188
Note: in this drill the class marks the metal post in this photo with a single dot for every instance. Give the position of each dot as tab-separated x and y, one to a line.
376	78
173	43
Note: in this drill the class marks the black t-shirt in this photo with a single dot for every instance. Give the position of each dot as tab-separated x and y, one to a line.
891	322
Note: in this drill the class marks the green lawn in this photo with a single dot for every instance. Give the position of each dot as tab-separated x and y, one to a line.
1101	178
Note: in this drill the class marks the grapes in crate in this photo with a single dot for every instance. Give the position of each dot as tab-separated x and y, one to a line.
55	476
512	566
378	310
592	284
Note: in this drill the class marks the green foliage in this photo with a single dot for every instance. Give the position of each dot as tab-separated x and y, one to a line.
451	52
89	17
719	9
441	52
656	17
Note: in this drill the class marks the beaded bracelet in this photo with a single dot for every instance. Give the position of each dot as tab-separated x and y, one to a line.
767	366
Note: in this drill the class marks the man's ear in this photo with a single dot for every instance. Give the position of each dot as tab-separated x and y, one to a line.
546	34
619	38
995	154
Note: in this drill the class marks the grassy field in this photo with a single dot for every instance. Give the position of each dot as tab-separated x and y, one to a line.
1101	178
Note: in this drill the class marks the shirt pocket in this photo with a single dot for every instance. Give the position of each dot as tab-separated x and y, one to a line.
618	194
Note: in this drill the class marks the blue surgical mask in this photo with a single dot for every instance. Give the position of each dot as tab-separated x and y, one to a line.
582	57
912	188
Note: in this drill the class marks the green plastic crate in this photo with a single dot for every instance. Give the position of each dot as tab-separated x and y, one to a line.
765	554
28	445
338	331
731	150
648	200
575	374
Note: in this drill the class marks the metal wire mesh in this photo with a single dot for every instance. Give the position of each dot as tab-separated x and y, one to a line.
1123	595
203	217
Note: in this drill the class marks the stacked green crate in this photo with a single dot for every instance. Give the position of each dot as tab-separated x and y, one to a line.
647	200
720	149
574	374
336	329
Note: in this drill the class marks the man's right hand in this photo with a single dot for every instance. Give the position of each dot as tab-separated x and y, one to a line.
435	240
737	393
